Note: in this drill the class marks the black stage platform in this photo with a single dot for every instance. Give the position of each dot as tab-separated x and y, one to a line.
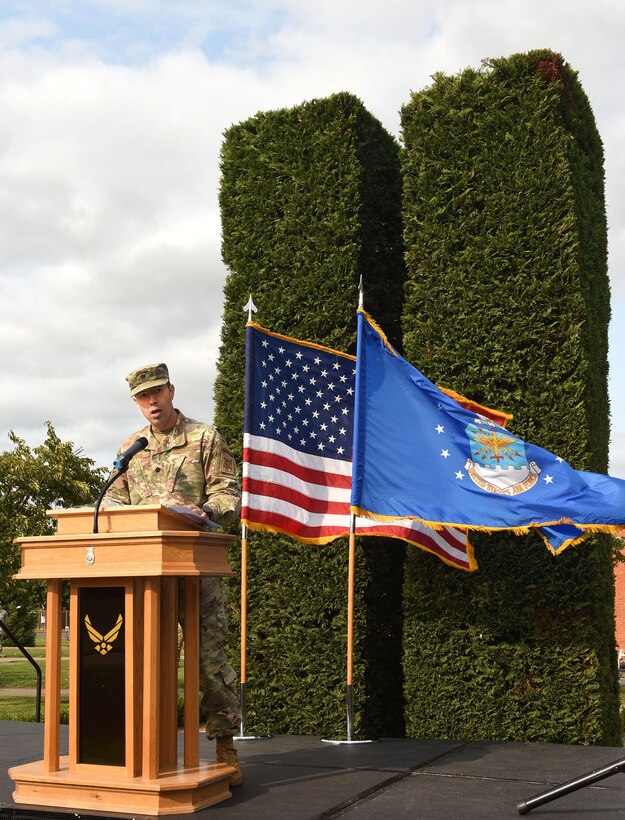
295	777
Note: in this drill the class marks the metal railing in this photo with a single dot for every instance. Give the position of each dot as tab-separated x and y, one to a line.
31	660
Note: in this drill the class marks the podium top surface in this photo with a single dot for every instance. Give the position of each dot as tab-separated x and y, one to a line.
131	541
118	519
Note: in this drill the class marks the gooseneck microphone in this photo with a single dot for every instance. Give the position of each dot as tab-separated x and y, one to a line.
123	460
121	465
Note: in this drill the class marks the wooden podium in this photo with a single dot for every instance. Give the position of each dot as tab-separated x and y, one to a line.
123	685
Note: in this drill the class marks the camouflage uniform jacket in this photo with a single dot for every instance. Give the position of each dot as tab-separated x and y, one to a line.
191	465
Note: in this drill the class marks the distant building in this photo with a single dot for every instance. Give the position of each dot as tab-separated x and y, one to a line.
41	620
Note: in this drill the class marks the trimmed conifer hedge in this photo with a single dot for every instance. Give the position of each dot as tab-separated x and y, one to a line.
507	301
310	201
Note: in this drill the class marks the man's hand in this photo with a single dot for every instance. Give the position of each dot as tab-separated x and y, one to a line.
197	510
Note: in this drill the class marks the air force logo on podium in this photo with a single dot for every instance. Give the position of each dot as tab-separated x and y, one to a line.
498	463
103	643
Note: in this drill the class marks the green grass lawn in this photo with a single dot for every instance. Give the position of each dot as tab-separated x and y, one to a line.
20	674
24	708
36	652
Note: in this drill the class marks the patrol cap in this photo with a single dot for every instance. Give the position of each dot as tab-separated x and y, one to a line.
152	375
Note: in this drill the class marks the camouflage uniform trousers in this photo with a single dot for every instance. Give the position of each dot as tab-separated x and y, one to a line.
220	698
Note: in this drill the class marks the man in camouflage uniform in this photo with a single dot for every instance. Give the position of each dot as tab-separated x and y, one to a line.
187	463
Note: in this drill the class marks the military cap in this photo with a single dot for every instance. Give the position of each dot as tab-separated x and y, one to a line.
152	375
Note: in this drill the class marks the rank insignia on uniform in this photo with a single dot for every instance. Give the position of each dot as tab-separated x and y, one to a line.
104	643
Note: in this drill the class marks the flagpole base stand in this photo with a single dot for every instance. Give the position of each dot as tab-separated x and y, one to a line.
346	741
242	726
349	703
252	737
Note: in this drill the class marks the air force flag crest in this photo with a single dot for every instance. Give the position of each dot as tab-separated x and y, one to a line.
498	462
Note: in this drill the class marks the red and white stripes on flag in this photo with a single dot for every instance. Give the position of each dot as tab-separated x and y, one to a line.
297	468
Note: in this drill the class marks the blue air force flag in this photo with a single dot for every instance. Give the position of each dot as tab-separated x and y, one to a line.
419	454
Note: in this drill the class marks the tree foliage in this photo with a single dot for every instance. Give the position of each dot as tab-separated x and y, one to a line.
507	301
32	481
310	202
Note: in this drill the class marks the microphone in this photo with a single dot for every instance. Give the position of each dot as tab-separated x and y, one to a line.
121	464
122	461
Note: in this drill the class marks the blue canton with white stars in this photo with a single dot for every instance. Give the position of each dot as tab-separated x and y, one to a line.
303	396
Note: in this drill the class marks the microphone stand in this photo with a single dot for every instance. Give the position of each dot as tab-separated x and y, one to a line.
525	806
108	483
121	462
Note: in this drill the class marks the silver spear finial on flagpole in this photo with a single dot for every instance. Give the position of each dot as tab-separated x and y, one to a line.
250	307
361	295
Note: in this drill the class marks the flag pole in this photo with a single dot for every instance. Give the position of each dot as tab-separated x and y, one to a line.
351	564
250	307
349	700
243	729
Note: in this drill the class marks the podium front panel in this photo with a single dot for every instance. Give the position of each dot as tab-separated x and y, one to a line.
101	670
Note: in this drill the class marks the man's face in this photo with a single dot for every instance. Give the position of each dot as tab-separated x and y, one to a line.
157	406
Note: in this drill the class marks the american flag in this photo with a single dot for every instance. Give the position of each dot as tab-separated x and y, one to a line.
299	408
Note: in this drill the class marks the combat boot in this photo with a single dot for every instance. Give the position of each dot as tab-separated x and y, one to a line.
226	753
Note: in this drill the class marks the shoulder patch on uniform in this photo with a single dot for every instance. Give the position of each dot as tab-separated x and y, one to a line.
228	465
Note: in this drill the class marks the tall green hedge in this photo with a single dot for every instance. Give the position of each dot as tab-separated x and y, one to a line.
310	201
507	301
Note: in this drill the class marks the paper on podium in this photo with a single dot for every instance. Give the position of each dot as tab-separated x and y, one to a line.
195	517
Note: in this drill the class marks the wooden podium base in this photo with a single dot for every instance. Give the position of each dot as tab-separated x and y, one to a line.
181	792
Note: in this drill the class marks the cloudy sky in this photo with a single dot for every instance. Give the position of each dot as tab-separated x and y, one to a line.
113	113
